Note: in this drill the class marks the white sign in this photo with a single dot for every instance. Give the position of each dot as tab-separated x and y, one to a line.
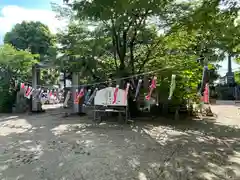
105	97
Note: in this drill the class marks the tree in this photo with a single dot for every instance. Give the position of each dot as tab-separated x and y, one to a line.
14	65
37	38
126	21
141	36
86	50
34	36
129	21
215	25
16	62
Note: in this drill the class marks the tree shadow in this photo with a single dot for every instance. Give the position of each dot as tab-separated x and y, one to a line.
76	148
211	150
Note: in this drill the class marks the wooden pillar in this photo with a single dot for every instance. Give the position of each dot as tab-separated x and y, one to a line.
75	85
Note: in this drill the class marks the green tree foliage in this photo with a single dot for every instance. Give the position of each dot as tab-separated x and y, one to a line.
17	63
85	50
237	77
34	36
14	65
37	38
125	22
214	22
130	37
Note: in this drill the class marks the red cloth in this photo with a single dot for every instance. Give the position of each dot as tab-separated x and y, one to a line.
152	86
206	94
78	95
50	93
115	95
22	85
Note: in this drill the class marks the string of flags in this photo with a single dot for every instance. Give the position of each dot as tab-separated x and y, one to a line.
89	94
39	93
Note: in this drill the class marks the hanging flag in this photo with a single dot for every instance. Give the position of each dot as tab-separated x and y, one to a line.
50	93
81	93
40	95
28	92
76	98
36	93
78	95
157	95
138	88
87	96
206	94
152	87
172	86
204	80
115	94
25	90
126	93
22	86
55	93
47	94
92	96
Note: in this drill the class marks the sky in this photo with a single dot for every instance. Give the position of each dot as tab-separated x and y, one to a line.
15	11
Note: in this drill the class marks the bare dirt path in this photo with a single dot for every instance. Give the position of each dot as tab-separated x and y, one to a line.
49	147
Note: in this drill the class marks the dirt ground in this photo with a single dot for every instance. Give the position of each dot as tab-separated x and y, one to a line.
50	147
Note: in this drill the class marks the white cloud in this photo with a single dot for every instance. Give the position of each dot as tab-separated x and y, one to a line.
11	15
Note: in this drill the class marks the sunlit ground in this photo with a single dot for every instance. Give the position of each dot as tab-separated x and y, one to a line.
48	146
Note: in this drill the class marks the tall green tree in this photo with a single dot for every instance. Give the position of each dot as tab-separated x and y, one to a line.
143	36
127	24
37	38
34	36
16	62
215	25
14	65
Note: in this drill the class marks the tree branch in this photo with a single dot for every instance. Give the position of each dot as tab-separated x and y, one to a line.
148	54
133	39
116	39
124	45
131	47
114	52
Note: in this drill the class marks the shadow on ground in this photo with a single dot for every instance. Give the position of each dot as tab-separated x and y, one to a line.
48	146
